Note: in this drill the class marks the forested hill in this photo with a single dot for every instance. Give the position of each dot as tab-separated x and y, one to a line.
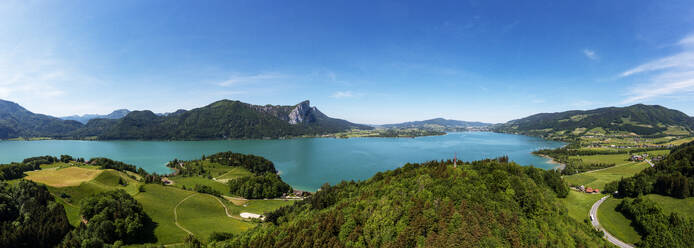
16	121
223	119
489	203
639	119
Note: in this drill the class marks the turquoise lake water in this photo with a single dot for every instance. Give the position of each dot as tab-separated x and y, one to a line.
304	163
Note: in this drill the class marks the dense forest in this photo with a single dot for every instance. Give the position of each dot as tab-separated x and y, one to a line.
30	217
263	186
111	217
640	119
673	176
16	170
657	228
490	203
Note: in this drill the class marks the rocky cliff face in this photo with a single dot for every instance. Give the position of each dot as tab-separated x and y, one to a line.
302	113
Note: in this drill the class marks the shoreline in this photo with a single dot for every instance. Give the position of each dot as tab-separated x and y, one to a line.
559	166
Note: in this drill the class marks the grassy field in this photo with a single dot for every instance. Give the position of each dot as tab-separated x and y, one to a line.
680	141
617	159
202	214
598	179
107	180
257	206
684	207
234	172
578	204
63	177
616	223
190	182
158	202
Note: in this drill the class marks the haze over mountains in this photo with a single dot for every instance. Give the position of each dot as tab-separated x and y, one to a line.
438	123
116	114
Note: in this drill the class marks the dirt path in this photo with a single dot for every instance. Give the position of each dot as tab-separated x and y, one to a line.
226	210
176	216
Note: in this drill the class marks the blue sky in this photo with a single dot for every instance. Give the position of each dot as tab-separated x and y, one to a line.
366	61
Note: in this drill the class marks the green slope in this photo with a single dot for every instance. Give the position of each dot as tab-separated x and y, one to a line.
639	119
488	204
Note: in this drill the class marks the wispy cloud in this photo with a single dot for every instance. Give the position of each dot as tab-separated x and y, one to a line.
590	54
250	79
581	104
671	76
343	94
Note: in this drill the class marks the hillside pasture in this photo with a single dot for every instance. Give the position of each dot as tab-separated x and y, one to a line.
63	177
202	214
616	223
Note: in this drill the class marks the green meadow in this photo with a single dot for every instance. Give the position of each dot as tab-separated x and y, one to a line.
616	223
598	178
578	204
201	211
197	213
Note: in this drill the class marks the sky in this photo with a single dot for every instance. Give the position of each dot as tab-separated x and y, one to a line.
371	62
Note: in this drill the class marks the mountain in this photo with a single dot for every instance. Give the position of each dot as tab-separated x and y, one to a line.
116	114
489	203
438	124
637	119
16	121
223	119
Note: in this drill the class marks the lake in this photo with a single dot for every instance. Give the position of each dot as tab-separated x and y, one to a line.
304	163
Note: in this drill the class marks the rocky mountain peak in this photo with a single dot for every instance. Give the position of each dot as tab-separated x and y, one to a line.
301	113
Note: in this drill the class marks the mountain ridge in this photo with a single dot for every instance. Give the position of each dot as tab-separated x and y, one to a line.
639	119
223	119
116	114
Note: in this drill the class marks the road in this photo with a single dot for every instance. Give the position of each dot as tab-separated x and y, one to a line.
596	224
649	162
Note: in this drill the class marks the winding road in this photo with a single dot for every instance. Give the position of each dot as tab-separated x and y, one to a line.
596	224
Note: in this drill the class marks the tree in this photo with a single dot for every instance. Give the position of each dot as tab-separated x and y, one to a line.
30	217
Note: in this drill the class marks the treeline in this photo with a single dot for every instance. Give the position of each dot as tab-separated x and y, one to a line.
673	176
656	228
206	190
578	166
107	163
566	151
112	217
30	217
490	203
252	163
266	185
16	170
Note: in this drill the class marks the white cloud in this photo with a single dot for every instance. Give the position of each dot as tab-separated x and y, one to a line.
590	54
671	76
343	94
250	79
